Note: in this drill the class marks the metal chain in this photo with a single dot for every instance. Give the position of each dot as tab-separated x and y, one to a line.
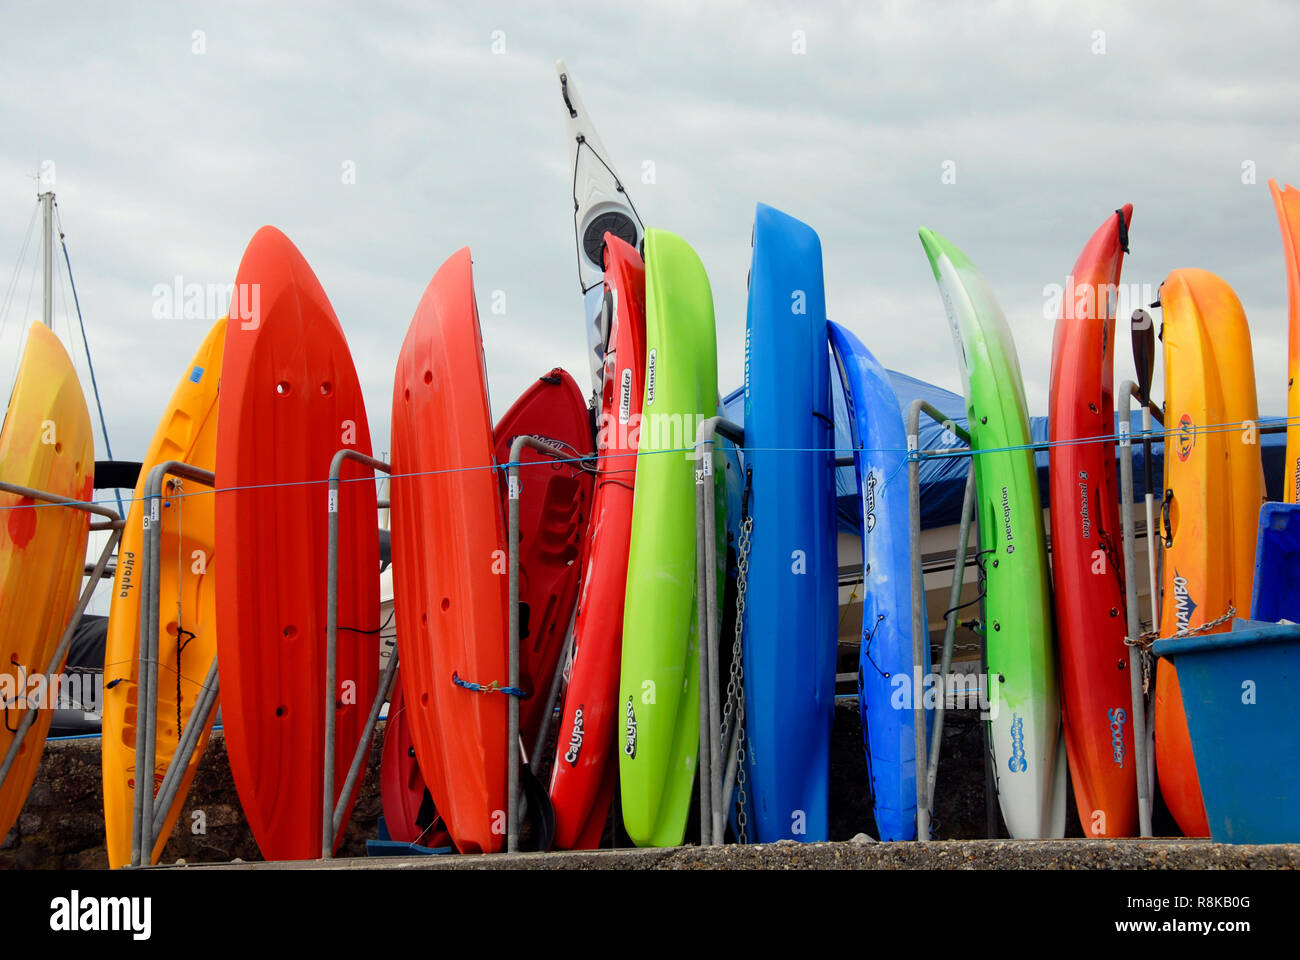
1144	640
736	680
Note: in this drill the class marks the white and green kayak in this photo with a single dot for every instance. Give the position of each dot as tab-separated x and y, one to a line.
1024	703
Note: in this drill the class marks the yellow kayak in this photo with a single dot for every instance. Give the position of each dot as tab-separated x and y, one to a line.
46	444
187	638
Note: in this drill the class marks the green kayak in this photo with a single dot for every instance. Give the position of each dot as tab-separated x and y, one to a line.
659	696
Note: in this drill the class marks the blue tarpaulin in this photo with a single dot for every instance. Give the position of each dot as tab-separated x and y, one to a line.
943	481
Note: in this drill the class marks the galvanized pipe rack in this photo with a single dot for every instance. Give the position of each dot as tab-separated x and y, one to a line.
949	637
332	813
708	628
148	814
920	627
513	489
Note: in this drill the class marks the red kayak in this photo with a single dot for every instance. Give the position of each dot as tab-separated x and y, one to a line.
554	507
1087	559
582	778
402	789
448	530
289	400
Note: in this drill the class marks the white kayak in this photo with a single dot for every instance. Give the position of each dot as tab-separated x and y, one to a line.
600	205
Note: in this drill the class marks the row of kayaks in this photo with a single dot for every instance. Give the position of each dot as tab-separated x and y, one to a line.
608	549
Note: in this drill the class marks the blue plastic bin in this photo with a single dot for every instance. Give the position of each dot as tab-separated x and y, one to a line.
1277	564
1239	696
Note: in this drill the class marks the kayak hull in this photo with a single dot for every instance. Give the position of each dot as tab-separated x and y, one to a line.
791	601
554	510
1024	702
187	599
886	660
659	707
46	444
1214	489
1087	554
582	777
449	555
290	399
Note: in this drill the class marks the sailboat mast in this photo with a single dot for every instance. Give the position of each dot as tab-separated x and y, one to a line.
47	245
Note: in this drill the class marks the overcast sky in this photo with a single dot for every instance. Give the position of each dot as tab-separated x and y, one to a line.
167	160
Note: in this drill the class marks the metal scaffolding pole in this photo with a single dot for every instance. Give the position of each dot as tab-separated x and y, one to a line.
714	794
143	827
513	488
332	814
920	627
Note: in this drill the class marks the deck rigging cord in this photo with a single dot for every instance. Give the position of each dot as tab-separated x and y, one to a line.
13	278
94	383
581	142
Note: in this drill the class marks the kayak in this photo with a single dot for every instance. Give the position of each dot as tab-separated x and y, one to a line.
1024	703
791	600
600	206
46	444
187	640
448	532
1287	201
583	774
885	652
554	509
1087	557
1214	489
402	791
290	399
659	705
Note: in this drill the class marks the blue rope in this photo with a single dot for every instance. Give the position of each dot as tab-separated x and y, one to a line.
493	687
103	426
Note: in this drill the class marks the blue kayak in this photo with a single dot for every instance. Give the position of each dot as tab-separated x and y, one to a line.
885	663
791	600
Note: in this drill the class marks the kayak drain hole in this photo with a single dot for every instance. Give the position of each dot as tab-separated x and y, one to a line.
446	604
406	395
281	710
326	388
428	376
282	387
290	632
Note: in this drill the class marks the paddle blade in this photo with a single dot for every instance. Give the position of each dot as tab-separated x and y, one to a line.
1144	352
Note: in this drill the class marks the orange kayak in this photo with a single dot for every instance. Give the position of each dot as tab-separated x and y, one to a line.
290	399
1287	201
450	588
1214	487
